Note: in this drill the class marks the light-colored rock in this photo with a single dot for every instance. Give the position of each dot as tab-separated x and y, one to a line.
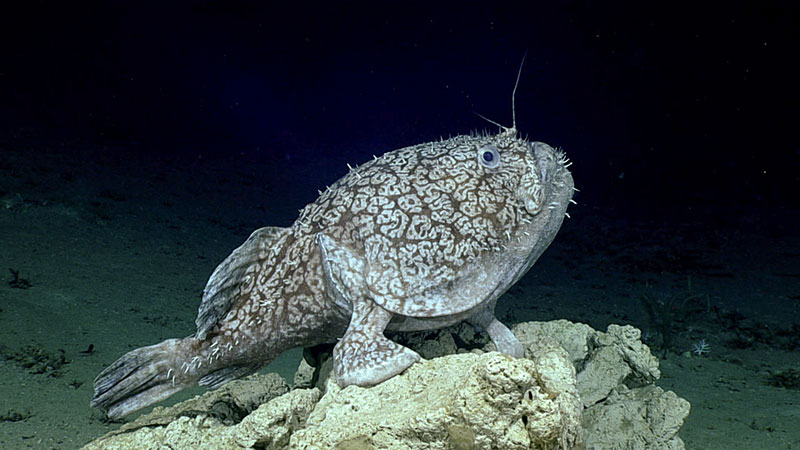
617	356
573	337
304	375
229	417
637	355
617	370
488	401
475	399
272	424
603	360
645	417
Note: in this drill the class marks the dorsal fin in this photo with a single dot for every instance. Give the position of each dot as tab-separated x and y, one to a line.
514	94
513	129
223	286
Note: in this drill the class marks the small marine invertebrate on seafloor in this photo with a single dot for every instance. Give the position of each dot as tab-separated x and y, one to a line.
701	348
668	312
19	282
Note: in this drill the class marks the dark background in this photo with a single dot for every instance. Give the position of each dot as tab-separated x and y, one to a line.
658	104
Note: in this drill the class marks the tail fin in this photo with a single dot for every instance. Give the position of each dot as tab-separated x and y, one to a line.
142	377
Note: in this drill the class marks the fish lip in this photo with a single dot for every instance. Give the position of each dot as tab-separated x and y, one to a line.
552	169
548	179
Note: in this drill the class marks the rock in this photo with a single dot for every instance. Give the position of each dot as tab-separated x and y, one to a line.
457	401
573	337
616	372
272	425
304	375
617	356
269	427
576	386
603	360
643	364
200	418
645	417
459	338
307	376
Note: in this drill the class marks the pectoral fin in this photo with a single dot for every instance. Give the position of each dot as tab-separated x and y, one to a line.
503	338
364	356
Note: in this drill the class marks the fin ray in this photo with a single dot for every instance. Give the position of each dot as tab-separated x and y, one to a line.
219	377
138	379
226	280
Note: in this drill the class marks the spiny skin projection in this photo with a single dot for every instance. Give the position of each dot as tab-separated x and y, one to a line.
420	238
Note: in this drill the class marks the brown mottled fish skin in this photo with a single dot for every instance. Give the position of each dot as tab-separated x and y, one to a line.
420	238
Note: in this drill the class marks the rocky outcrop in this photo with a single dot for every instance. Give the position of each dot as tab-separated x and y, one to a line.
645	417
615	380
458	401
575	388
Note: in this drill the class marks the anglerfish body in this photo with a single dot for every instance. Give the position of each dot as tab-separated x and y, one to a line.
421	238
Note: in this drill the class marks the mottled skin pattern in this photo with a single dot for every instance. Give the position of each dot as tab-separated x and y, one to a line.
420	238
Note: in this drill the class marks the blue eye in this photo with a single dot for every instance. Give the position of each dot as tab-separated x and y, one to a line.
488	156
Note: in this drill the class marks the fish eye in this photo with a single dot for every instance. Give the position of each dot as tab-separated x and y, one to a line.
488	156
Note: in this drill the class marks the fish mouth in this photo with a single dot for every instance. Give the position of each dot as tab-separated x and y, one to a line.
548	182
